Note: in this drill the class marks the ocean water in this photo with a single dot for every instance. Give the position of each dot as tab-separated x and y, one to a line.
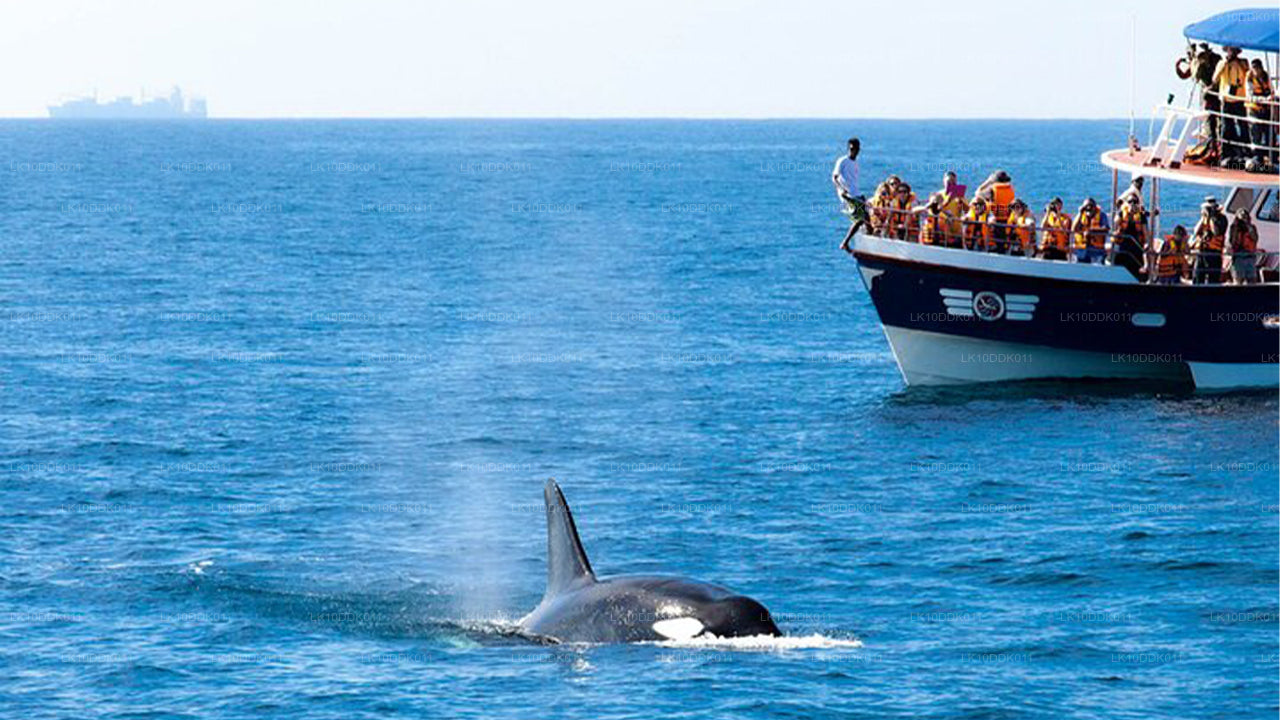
279	399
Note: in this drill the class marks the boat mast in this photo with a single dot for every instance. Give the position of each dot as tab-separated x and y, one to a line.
1133	71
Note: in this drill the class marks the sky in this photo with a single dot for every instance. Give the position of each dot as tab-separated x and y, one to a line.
601	58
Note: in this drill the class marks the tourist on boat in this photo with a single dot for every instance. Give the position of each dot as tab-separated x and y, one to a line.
1261	107
1022	229
1133	191
951	186
1207	241
954	205
976	225
1057	232
1230	78
1205	65
902	220
1128	247
1242	240
935	223
1090	230
1204	69
845	178
1171	258
1207	150
881	202
997	191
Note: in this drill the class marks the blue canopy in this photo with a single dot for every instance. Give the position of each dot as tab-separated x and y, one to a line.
1248	29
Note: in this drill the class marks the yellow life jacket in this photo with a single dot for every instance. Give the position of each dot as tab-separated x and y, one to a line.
1057	230
976	229
954	206
1231	82
879	208
1090	231
1259	87
1133	218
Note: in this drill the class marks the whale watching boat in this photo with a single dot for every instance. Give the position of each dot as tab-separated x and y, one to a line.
967	309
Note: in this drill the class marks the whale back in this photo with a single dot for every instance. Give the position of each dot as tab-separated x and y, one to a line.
567	563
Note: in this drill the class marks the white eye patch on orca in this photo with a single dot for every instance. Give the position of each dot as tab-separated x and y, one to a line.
684	628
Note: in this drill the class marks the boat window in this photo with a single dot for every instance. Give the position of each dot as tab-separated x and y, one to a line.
1241	198
1268	210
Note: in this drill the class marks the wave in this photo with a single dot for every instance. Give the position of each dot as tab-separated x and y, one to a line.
763	643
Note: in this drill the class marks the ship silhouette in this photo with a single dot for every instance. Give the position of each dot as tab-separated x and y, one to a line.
175	106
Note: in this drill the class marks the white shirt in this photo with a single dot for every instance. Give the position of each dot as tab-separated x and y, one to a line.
846	175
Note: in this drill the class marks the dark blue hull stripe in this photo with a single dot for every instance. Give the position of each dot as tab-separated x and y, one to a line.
1205	323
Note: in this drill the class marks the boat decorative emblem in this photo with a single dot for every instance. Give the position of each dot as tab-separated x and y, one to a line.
987	305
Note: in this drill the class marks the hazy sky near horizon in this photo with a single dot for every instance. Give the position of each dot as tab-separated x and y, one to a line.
601	58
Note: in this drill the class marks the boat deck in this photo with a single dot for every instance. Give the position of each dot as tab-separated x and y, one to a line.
1125	161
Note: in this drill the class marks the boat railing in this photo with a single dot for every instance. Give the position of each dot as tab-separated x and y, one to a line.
1133	252
1184	127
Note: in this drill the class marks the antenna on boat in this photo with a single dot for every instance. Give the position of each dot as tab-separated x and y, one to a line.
1133	78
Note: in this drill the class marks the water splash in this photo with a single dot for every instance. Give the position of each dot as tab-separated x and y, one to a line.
764	643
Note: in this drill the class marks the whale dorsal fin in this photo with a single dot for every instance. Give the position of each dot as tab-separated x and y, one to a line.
567	563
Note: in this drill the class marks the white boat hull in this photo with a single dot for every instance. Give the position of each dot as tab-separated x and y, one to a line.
929	358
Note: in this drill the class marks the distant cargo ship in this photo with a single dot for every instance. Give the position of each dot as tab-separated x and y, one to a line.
173	107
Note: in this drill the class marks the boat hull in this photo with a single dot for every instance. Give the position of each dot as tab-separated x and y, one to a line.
956	316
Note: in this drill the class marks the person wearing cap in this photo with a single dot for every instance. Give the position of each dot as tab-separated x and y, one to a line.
1057	232
1171	258
1090	230
1022	229
1133	191
1230	77
1242	243
1207	241
1128	246
845	178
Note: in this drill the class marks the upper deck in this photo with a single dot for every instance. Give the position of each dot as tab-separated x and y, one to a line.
1139	164
1183	127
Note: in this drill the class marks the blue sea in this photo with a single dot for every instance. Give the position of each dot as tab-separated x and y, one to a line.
279	399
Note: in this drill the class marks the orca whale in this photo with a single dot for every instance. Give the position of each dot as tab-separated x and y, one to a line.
578	607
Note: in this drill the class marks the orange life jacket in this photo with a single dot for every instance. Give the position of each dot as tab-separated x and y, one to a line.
1171	261
976	229
904	221
1208	239
1090	231
1023	236
1243	240
1002	197
933	228
1057	230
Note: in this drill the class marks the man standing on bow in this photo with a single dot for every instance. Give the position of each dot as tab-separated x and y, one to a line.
845	178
